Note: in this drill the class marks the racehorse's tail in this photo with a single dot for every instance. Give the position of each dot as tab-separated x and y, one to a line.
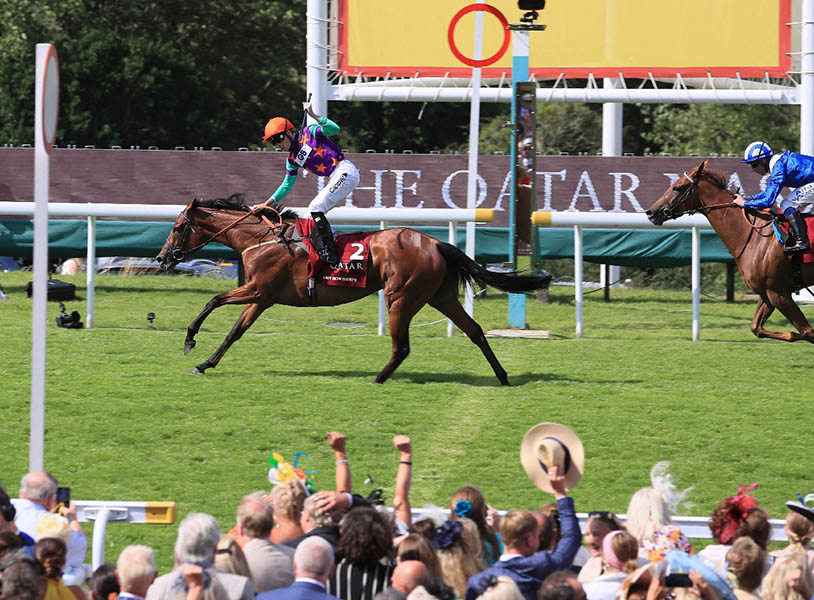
469	271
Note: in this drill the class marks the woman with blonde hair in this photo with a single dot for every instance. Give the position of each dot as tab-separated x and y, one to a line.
788	579
619	553
287	499
417	547
800	531
648	516
457	546
468	503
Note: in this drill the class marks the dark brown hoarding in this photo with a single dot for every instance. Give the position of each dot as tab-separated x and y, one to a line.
583	183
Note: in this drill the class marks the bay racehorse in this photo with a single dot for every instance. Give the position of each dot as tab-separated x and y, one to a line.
413	269
750	239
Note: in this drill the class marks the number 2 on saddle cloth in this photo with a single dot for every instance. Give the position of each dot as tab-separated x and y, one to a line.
353	250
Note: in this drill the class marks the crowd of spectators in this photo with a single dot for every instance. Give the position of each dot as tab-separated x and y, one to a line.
292	543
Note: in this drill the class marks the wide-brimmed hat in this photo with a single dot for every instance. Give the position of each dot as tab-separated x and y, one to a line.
802	506
551	444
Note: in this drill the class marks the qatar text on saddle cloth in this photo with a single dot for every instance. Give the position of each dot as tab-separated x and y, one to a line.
353	250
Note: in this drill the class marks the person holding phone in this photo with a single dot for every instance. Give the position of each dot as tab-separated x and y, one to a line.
38	498
312	149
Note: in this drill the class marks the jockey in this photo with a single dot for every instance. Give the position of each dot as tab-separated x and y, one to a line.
312	149
788	169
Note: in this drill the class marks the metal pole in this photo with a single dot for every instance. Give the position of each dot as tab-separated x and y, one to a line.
520	72
453	239
472	176
807	79
578	276
696	284
99	532
612	120
316	61
90	272
46	103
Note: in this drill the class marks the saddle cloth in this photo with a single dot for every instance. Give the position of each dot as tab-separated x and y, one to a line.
353	250
808	255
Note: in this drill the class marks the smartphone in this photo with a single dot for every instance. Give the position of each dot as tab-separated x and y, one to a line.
64	495
673	580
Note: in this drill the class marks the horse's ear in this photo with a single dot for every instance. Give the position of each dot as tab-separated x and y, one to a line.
700	169
194	203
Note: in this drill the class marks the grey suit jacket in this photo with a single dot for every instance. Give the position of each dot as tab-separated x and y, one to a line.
237	587
272	565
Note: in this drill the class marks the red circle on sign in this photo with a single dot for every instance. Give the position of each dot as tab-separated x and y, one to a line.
484	61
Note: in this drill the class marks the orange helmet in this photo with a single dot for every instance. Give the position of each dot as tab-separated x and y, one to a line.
277	125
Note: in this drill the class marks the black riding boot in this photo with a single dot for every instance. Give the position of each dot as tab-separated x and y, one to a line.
798	238
323	239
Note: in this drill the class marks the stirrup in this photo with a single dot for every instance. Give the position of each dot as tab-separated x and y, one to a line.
797	246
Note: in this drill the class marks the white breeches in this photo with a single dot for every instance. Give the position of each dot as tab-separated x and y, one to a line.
340	184
801	199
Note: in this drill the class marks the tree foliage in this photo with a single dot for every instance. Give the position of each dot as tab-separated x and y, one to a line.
177	72
703	129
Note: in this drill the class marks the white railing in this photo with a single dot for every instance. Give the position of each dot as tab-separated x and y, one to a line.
602	219
383	216
102	512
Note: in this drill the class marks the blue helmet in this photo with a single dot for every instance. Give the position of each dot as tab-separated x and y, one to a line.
756	151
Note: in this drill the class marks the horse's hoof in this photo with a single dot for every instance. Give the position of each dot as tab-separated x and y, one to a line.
196	371
188	345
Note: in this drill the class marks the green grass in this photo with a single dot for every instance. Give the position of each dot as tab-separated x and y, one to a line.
125	421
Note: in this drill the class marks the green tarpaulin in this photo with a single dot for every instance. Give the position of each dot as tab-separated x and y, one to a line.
625	247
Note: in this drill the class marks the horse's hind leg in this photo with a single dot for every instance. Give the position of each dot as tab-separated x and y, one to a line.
448	304
240	295
244	321
787	306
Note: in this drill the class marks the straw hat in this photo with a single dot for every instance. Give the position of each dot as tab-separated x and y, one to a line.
551	444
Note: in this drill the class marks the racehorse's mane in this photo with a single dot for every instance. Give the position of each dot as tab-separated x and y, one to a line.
237	202
716	178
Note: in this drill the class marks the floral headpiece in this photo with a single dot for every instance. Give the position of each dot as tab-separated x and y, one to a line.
737	509
463	508
448	534
282	471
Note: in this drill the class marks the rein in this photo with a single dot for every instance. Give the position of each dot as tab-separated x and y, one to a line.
686	194
178	252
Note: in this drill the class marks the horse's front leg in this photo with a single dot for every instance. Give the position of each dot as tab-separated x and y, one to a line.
241	295
247	317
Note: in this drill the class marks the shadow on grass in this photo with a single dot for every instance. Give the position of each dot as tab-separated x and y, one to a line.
429	377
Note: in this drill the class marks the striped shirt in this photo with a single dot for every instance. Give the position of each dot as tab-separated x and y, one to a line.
359	581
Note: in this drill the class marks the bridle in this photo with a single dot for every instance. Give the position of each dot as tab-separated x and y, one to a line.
178	252
685	194
671	206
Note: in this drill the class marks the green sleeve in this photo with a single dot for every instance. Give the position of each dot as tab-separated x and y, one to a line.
328	127
285	187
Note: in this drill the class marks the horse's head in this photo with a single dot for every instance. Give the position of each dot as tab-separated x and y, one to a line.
680	198
184	238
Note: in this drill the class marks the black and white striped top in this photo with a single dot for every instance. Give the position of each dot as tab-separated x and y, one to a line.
359	581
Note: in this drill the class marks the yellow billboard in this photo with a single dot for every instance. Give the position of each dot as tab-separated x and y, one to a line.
637	38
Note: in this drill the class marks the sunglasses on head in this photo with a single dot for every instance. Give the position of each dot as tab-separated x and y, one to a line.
277	137
605	515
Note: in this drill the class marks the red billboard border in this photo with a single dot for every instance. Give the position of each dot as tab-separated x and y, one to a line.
780	70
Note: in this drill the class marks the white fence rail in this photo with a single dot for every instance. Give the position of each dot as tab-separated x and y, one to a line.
382	216
637	220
